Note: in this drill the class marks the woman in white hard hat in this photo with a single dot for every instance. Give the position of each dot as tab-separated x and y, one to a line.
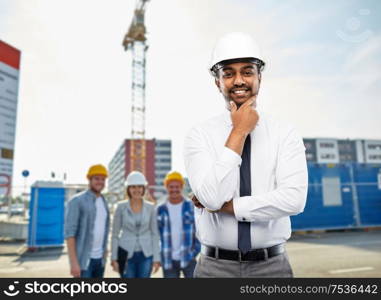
135	248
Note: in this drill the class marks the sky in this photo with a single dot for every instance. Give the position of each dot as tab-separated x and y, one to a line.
322	73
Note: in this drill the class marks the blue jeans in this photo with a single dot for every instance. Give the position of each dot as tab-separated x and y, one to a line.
94	270
175	271
138	266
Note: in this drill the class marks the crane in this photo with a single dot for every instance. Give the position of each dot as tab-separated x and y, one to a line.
135	40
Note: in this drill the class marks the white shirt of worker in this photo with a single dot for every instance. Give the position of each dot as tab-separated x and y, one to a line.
99	229
278	181
176	219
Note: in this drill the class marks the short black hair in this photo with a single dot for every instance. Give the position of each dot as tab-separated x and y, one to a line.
259	63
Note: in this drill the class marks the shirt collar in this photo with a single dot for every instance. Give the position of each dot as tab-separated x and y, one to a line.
92	195
178	203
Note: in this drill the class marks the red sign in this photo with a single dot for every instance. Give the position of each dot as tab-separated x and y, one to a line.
9	55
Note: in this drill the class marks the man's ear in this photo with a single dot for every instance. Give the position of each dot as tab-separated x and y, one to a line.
260	78
217	82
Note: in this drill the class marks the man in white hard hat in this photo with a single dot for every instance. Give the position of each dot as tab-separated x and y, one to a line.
248	173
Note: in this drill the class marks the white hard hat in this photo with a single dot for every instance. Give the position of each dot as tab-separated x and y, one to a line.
135	178
235	45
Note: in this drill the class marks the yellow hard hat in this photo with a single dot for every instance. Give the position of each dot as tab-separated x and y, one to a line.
173	176
97	170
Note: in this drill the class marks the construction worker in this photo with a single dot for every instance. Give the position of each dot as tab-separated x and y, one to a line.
179	245
135	234
86	227
247	170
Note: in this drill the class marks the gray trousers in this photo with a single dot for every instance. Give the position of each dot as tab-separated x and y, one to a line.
276	266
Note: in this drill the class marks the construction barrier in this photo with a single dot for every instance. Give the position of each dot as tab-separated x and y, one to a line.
341	196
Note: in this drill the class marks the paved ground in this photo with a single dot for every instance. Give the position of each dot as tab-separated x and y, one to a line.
336	254
333	254
48	262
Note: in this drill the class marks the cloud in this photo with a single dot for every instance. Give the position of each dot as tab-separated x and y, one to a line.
343	103
364	63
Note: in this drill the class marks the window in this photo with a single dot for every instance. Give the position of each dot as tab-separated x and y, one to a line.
163	152
327	145
345	146
374	157
163	160
162	168
327	156
6	153
310	156
308	145
374	146
163	144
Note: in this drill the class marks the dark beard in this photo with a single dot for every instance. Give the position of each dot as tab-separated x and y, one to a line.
228	99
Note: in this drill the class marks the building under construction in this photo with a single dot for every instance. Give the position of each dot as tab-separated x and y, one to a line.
158	162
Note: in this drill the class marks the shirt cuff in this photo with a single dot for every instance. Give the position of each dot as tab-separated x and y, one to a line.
156	257
69	234
114	256
241	211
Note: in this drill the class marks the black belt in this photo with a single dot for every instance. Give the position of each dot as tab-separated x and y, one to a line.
252	255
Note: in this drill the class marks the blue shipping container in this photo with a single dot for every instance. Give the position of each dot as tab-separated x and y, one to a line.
329	199
369	193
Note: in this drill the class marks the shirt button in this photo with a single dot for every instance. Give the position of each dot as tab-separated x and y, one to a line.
243	219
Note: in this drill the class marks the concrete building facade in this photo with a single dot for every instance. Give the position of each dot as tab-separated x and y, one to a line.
330	150
158	163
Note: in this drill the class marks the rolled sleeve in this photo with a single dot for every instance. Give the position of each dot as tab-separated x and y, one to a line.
116	226
72	218
155	235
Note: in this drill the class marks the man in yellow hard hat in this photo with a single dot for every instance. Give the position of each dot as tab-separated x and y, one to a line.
87	222
179	245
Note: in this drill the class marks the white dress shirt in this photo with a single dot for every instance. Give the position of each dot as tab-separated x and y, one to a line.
279	181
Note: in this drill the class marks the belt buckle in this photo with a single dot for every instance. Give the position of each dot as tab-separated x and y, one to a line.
266	254
216	254
239	256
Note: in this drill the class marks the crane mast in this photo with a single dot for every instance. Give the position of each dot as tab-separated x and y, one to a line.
135	40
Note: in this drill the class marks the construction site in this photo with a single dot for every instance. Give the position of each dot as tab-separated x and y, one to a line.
340	226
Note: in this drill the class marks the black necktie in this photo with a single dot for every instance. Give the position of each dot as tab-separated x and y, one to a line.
244	237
